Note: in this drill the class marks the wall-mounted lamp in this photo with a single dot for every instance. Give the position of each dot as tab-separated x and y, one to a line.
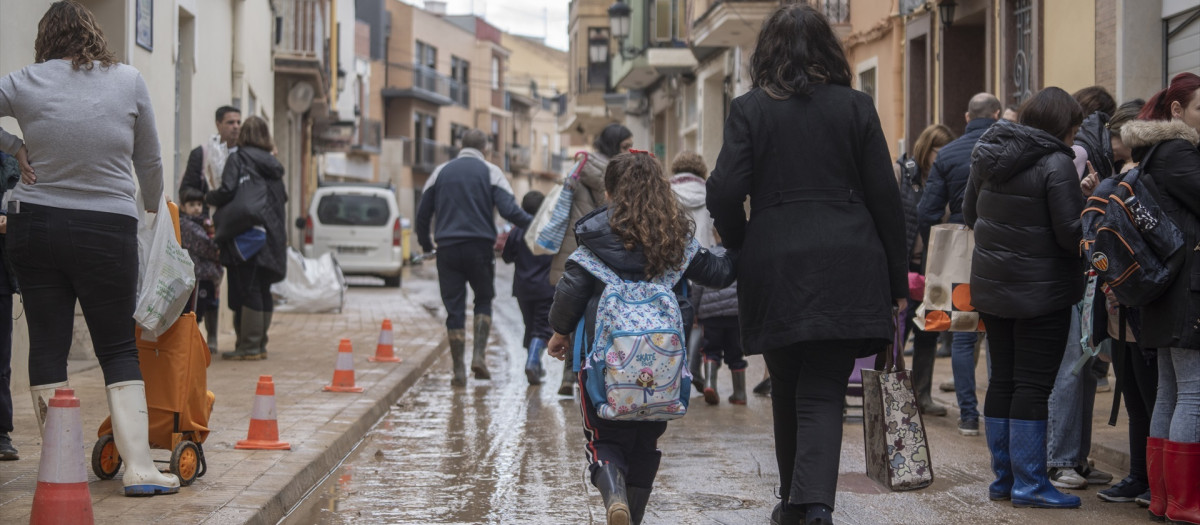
619	17
946	12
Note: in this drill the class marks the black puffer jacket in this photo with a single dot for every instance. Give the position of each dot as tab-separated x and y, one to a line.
1174	168
273	256
1023	200
578	292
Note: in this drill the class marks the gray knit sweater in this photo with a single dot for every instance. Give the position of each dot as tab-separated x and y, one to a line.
82	129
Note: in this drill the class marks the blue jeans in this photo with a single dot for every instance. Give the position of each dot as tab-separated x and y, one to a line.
962	363
1177	409
1069	431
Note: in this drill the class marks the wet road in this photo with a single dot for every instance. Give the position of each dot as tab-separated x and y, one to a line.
501	451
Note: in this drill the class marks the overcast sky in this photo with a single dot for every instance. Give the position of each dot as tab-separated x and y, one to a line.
539	18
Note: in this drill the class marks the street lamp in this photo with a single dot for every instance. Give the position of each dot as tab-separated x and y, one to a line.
341	80
619	15
946	12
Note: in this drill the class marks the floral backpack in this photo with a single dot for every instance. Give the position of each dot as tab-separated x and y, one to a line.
637	362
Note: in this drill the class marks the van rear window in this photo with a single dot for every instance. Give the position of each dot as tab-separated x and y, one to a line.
353	210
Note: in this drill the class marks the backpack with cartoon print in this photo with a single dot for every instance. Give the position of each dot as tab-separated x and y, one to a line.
637	363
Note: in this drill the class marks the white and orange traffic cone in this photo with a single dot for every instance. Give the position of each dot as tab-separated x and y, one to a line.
343	371
62	495
264	430
385	351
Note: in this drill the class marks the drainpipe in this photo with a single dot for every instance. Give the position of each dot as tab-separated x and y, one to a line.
238	66
334	36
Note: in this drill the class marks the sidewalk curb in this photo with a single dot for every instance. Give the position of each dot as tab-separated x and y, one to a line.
312	474
1112	456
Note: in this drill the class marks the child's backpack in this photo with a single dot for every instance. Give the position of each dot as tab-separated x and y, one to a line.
637	363
1132	244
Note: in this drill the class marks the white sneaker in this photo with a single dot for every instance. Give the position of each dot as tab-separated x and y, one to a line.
1067	478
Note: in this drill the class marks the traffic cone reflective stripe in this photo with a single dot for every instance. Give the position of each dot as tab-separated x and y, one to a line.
385	350
264	429
62	495
343	372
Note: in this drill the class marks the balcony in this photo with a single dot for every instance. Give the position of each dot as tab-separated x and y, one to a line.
427	85
300	41
428	154
644	69
731	23
519	158
369	137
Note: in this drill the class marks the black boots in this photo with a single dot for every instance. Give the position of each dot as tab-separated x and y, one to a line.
611	483
638	497
483	328
458	347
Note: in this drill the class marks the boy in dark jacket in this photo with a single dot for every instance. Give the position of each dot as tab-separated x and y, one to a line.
717	310
196	232
531	287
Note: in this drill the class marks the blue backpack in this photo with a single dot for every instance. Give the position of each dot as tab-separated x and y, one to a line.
1127	238
637	363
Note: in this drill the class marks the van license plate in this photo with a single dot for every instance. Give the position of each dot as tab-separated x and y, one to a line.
356	250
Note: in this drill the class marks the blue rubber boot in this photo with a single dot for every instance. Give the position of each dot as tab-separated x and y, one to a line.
1031	484
533	363
996	430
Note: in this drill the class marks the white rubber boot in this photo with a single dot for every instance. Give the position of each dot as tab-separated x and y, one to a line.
41	396
131	431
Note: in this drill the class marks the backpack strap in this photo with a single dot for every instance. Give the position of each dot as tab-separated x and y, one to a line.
580	335
672	276
590	262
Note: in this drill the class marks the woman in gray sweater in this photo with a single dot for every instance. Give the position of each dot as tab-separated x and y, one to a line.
72	224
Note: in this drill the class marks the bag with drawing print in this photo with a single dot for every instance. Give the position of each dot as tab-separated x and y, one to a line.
637	363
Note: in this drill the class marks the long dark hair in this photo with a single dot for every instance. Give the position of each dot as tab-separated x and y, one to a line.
796	49
68	30
1052	110
644	212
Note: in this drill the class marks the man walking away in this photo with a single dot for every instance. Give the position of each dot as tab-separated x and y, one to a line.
947	180
460	198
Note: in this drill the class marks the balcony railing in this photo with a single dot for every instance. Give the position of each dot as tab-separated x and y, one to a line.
369	137
837	11
428	154
519	158
300	28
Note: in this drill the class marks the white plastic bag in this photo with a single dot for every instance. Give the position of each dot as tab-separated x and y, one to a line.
311	286
166	276
541	219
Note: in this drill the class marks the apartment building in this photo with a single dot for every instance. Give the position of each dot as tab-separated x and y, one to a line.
588	68
432	77
537	152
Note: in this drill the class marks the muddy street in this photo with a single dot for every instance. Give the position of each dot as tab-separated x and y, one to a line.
501	451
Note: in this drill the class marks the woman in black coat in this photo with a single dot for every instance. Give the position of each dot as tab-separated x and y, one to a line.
1023	200
253	198
823	260
1163	141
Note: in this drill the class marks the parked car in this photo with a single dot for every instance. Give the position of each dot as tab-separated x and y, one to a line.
360	224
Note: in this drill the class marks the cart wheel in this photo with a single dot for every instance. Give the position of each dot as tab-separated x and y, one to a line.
105	459
185	462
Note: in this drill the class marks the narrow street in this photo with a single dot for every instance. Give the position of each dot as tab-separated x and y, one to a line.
501	451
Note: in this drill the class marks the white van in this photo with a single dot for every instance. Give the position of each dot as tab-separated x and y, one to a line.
361	224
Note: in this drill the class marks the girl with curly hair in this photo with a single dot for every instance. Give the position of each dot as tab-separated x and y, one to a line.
640	235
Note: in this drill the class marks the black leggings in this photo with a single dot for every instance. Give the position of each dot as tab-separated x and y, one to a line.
60	256
1026	354
1138	378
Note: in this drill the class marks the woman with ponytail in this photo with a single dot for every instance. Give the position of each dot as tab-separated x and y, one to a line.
1163	142
640	235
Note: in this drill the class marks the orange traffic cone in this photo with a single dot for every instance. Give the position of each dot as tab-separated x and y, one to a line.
62	491
264	430
343	371
385	350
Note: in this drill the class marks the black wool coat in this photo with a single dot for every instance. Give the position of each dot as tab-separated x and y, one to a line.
823	250
1023	201
1173	320
273	256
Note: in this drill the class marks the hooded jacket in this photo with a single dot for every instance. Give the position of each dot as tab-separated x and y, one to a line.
578	292
1094	138
1174	169
1023	200
273	256
589	195
690	193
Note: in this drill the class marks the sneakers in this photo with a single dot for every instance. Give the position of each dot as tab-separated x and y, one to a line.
1125	491
1093	475
968	428
1102	384
7	451
763	388
1067	478
1143	499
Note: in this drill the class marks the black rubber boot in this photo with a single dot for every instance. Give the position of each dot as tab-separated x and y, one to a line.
210	326
638	497
611	483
